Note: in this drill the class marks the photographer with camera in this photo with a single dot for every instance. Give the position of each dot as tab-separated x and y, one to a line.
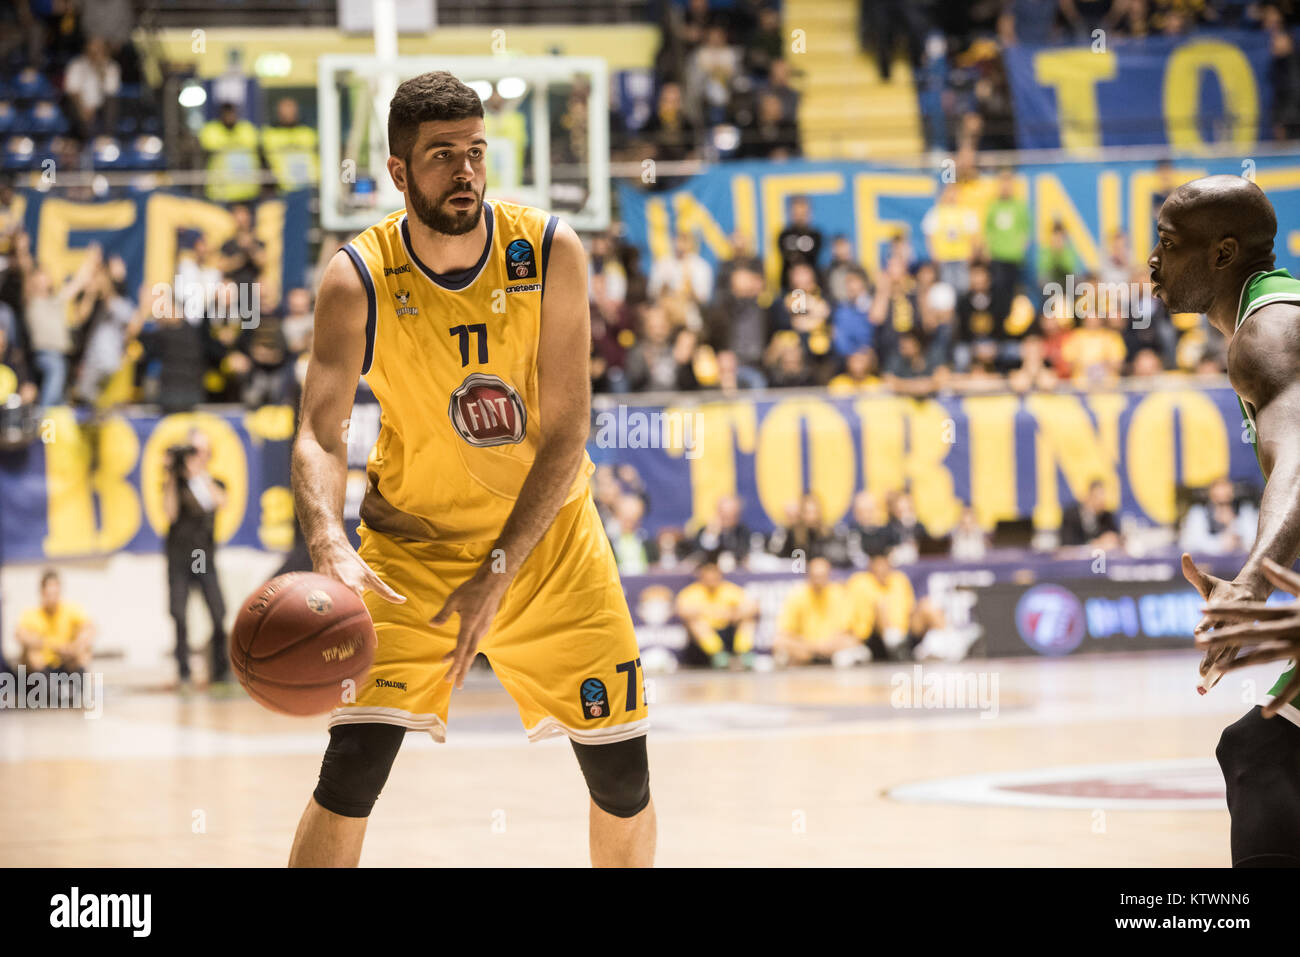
191	498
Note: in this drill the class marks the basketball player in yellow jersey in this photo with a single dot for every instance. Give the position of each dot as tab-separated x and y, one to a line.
468	318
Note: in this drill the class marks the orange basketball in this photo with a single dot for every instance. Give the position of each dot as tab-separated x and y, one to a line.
300	642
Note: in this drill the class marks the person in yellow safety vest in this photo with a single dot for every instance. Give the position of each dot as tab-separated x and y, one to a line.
289	146
234	162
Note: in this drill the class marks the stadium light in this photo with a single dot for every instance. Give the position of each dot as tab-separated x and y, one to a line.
192	95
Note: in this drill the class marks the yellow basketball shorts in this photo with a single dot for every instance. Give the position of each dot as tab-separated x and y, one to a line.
562	642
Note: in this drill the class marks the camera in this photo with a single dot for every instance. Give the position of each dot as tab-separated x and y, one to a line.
176	456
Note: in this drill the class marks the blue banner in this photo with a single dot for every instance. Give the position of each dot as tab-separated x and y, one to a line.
92	489
148	229
872	204
1182	92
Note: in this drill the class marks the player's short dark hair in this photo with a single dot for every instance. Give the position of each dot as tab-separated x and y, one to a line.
48	575
428	98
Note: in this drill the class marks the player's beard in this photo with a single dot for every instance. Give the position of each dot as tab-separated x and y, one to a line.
1192	295
455	223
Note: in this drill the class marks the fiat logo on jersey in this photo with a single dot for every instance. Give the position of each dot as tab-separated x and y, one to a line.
486	410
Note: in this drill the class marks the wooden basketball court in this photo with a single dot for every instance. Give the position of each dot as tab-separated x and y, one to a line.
1074	762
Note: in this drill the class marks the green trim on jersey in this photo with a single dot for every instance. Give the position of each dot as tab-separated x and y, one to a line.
1260	290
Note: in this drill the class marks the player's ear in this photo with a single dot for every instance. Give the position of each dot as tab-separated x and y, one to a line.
397	170
1225	253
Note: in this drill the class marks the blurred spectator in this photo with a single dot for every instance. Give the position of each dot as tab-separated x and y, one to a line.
653	363
612	332
883	24
905	527
263	364
233	160
56	635
197	281
739	325
806	312
969	540
1221	525
1007	231
741	257
1034	372
882	606
91	85
603	262
49	334
629	539
725	540
298	320
837	272
720	619
785	364
1094	353
778	85
15	375
799	242
113	21
1057	260
979	325
685	275
110	314
851	325
1089	522
772	137
765	44
815	623
177	353
805	535
952	230
937	326
859	374
893	308
668	552
673	134
290	148
243	255
867	534
710	72
909	371
1283	76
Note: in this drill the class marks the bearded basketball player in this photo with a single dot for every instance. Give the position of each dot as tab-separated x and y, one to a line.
1214	255
469	319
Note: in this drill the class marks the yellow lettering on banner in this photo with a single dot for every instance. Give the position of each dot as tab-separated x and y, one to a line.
778	462
883	443
1182	93
275	524
59	218
744	209
1067	440
991	421
1110	210
873	231
1150	447
777	190
1074	74
929	479
165	216
228	464
272	423
658	237
724	430
1142	186
72	487
692	217
1054	205
270	230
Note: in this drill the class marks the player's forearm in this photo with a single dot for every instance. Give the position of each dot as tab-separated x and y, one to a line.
319	479
1278	537
540	498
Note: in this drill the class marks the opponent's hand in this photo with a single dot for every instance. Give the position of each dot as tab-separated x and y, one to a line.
476	601
340	561
1214	591
1271	631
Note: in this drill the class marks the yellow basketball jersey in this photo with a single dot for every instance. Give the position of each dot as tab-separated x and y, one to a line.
452	359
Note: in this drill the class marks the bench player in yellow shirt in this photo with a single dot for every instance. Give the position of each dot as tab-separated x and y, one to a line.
720	617
469	319
816	622
56	634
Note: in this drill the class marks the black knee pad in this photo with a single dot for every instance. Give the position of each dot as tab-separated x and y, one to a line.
618	775
355	767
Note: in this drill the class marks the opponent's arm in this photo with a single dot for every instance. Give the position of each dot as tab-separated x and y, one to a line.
564	396
320	451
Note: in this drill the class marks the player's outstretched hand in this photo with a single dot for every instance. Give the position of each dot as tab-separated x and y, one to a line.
1272	632
476	601
341	561
1214	591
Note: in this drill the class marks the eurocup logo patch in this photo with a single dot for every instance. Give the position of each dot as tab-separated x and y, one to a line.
520	261
486	410
595	700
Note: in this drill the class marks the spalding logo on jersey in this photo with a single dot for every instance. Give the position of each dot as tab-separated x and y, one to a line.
520	261
486	410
